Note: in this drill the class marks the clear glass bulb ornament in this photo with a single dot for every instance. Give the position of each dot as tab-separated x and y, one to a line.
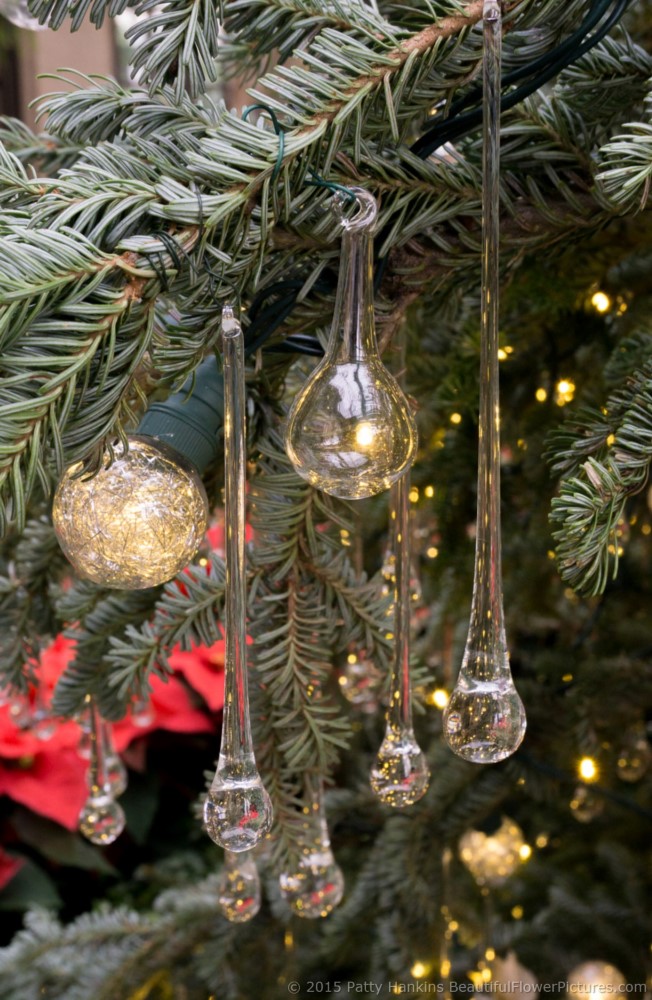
484	721
102	819
239	887
237	810
400	775
17	13
135	524
350	431
315	886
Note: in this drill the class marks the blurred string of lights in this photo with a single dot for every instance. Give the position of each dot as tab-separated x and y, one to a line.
273	305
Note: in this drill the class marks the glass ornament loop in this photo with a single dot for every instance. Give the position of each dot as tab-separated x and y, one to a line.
400	775
484	721
315	885
350	431
102	819
237	810
239	887
366	209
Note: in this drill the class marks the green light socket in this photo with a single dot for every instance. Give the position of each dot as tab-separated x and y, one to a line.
190	422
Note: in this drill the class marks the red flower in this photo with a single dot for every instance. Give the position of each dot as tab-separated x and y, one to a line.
203	668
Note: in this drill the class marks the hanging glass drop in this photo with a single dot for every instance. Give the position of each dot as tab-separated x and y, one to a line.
400	775
484	721
115	770
350	431
237	810
142	713
101	820
315	886
239	887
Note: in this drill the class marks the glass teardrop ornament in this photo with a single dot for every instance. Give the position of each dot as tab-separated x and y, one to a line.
101	820
484	721
400	774
239	888
315	885
237	809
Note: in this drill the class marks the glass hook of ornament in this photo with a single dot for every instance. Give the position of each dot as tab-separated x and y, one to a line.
350	431
102	819
484	721
237	810
400	774
315	885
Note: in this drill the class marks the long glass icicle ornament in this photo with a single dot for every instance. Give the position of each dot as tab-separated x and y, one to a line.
484	720
102	819
237	811
400	774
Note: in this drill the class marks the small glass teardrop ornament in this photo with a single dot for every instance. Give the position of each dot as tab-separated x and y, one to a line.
586	805
350	431
101	820
237	809
360	682
239	888
315	886
635	755
484	721
142	713
400	775
114	770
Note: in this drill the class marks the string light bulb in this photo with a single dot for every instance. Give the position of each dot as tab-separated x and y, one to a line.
350	431
588	769
601	302
139	520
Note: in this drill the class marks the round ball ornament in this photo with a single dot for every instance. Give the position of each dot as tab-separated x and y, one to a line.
595	977
492	858
136	523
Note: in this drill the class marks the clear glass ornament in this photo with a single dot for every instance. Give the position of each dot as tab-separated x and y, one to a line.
43	723
360	682
315	886
492	857
101	820
586	805
239	887
350	431
237	810
20	711
135	524
142	713
400	775
115	770
17	13
635	754
484	721
591	979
